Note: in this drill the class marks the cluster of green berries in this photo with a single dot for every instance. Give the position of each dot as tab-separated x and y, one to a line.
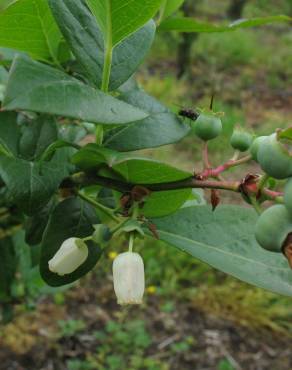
274	226
208	126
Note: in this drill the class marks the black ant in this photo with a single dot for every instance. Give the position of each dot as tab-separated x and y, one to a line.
192	114
188	113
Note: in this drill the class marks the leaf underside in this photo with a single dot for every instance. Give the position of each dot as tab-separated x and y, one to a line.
225	240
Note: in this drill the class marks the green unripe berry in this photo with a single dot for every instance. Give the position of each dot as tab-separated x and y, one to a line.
273	227
288	196
274	158
255	147
241	140
207	126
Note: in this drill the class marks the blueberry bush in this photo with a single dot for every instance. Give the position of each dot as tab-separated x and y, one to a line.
72	121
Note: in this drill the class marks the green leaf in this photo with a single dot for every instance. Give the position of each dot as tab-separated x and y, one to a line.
225	240
5	3
162	127
171	6
92	155
128	55
162	203
286	134
133	169
259	21
147	171
185	24
52	148
132	225
81	31
3	81
72	133
35	226
31	184
37	136
196	198
138	170
3	76
9	133
24	256
8	267
34	86
29	26
71	218
7	55
118	20
106	197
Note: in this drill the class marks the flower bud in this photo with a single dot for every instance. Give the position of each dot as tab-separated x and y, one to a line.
72	254
129	281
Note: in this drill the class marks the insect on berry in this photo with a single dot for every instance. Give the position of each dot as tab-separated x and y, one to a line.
188	113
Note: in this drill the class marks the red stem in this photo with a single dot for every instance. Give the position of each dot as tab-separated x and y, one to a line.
205	156
191	182
272	194
215	172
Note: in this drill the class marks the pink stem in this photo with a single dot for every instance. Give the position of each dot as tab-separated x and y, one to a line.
215	172
272	194
205	156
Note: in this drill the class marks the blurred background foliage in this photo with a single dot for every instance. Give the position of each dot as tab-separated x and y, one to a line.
193	316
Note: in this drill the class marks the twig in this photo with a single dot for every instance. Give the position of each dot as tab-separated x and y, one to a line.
256	205
84	179
215	172
205	156
99	206
166	342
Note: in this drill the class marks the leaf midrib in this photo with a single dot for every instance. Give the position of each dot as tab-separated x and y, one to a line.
52	54
221	251
44	86
131	124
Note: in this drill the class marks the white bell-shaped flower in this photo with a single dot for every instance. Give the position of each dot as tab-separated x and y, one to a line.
129	280
72	254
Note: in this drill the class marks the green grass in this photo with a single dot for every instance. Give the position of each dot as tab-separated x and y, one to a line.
226	50
69	328
260	8
120	346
